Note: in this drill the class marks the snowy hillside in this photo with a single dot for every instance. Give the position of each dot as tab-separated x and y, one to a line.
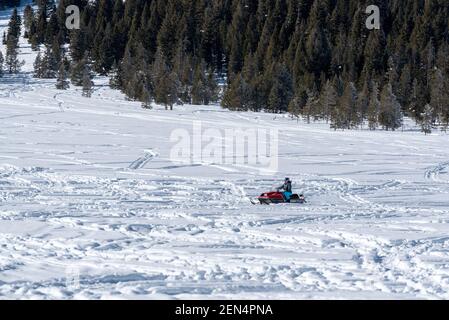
88	192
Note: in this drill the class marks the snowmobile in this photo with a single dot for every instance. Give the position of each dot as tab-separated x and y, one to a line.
276	197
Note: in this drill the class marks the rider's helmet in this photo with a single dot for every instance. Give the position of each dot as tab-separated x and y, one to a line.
287	179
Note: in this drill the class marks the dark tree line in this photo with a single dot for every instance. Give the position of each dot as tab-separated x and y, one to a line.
11	63
9	3
313	58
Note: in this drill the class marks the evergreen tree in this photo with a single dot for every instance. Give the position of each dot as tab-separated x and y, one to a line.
38	66
41	24
328	100
49	64
373	108
345	115
14	25
52	28
78	44
199	88
146	99
297	104
167	34
390	115
62	83
439	97
165	82
204	89
427	119
2	60
105	58
28	20
115	80
9	3
79	70
238	95
363	102
167	93
282	90
312	106
278	56
13	64
87	81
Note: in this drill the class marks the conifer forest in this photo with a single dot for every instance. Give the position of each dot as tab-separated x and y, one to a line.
314	59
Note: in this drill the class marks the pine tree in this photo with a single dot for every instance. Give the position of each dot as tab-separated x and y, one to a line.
167	34
390	115
41	24
212	88
328	100
199	88
282	90
14	25
2	60
238	95
38	67
166	90
184	67
33	38
373	108
345	115
297	104
204	89
12	42
363	102
427	119
316	41
125	72
312	106
62	83
79	69
78	45
52	28
165	82
49	64
105	57
87	81
439	97
28	19
13	64
146	99
115	80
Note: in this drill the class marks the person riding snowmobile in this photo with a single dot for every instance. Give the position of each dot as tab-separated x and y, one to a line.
287	188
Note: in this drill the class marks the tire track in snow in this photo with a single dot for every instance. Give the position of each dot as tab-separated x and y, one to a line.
142	161
395	263
433	173
345	186
60	102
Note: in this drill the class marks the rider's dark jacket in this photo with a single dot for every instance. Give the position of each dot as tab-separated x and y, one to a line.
287	186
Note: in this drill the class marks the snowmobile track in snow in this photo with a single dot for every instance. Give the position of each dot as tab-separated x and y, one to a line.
84	188
434	173
143	160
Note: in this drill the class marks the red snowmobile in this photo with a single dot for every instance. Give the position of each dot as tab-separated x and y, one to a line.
276	197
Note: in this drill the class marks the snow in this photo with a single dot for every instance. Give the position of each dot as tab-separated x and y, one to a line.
92	207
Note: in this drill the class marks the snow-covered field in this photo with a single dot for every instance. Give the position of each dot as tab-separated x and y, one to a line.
88	193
